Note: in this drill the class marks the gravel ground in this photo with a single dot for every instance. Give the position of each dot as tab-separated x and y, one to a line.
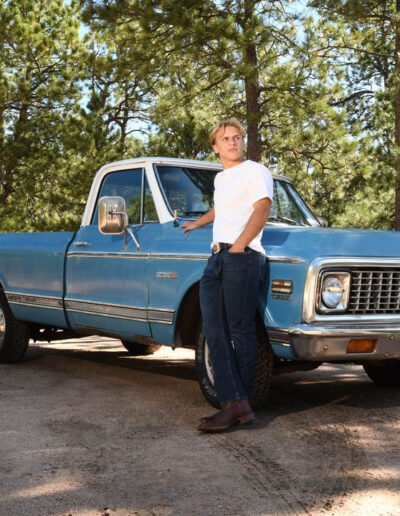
86	430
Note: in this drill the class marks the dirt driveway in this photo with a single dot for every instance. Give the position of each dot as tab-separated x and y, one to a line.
87	430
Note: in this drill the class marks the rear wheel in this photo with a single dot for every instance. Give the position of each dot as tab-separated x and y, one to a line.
136	349
386	374
14	334
263	375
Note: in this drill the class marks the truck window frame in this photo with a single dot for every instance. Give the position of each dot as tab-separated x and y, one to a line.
143	182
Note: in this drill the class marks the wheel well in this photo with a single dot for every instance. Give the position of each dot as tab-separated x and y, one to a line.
260	324
189	315
188	318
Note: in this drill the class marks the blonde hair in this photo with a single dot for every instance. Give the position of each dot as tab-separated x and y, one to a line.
223	124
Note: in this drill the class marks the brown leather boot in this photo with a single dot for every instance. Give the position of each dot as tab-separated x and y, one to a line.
237	412
206	418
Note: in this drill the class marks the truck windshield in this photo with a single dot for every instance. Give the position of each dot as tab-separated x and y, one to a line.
189	191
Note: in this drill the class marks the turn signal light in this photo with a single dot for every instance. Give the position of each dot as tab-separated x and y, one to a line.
361	345
284	286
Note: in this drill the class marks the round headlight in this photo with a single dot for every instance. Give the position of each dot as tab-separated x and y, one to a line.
332	291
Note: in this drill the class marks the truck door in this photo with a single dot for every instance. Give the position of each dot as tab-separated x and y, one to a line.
106	282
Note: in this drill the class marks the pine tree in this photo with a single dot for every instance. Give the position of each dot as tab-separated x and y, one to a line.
40	68
361	42
245	59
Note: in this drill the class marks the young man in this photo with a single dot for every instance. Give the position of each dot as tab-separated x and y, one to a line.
231	279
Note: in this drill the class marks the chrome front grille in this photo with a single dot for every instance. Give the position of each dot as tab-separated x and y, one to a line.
375	291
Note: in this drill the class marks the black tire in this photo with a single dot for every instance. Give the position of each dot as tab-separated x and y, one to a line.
136	349
14	334
264	369
385	374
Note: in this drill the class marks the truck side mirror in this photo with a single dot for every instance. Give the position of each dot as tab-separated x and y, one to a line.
113	219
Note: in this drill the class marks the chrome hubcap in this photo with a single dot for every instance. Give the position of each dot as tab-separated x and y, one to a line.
2	326
208	364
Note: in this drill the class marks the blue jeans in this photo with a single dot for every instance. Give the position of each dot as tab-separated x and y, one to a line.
228	300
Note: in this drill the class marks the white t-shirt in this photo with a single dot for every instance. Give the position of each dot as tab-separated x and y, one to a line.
236	189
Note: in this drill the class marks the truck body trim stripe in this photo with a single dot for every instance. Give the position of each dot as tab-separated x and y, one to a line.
38	301
159	315
168	256
138	256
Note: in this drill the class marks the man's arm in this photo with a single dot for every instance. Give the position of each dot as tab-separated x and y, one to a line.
254	225
205	219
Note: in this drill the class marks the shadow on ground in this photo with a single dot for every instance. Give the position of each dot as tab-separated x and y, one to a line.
339	384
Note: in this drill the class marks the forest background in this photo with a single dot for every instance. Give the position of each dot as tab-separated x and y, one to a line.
316	83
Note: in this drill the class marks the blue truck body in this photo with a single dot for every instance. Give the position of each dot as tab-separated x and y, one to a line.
144	288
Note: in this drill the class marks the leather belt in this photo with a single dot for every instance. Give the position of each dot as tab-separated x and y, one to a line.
220	246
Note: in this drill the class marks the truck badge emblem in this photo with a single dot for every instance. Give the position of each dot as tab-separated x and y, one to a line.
169	275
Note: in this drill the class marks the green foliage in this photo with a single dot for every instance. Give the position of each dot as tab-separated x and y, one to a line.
357	40
218	59
40	54
316	94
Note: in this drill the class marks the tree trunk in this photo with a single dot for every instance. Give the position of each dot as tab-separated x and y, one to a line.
252	109
397	119
124	128
10	168
7	190
252	87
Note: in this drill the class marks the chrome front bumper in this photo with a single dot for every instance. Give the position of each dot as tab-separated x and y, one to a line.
329	343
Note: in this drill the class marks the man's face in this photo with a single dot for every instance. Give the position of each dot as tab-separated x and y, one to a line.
229	144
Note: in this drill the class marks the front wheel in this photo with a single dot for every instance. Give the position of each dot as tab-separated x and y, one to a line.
14	334
386	374
136	349
263	375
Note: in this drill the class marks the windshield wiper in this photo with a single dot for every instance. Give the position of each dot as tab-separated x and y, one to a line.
279	218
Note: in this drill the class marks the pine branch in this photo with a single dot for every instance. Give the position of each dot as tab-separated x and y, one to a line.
346	47
353	96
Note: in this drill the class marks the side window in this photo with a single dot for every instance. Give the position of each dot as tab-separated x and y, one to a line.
126	184
149	211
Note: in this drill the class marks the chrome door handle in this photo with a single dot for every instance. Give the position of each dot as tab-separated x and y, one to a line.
81	244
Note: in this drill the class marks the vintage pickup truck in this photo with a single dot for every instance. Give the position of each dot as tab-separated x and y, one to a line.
330	294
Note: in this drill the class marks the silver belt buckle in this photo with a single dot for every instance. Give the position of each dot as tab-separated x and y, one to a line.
216	248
